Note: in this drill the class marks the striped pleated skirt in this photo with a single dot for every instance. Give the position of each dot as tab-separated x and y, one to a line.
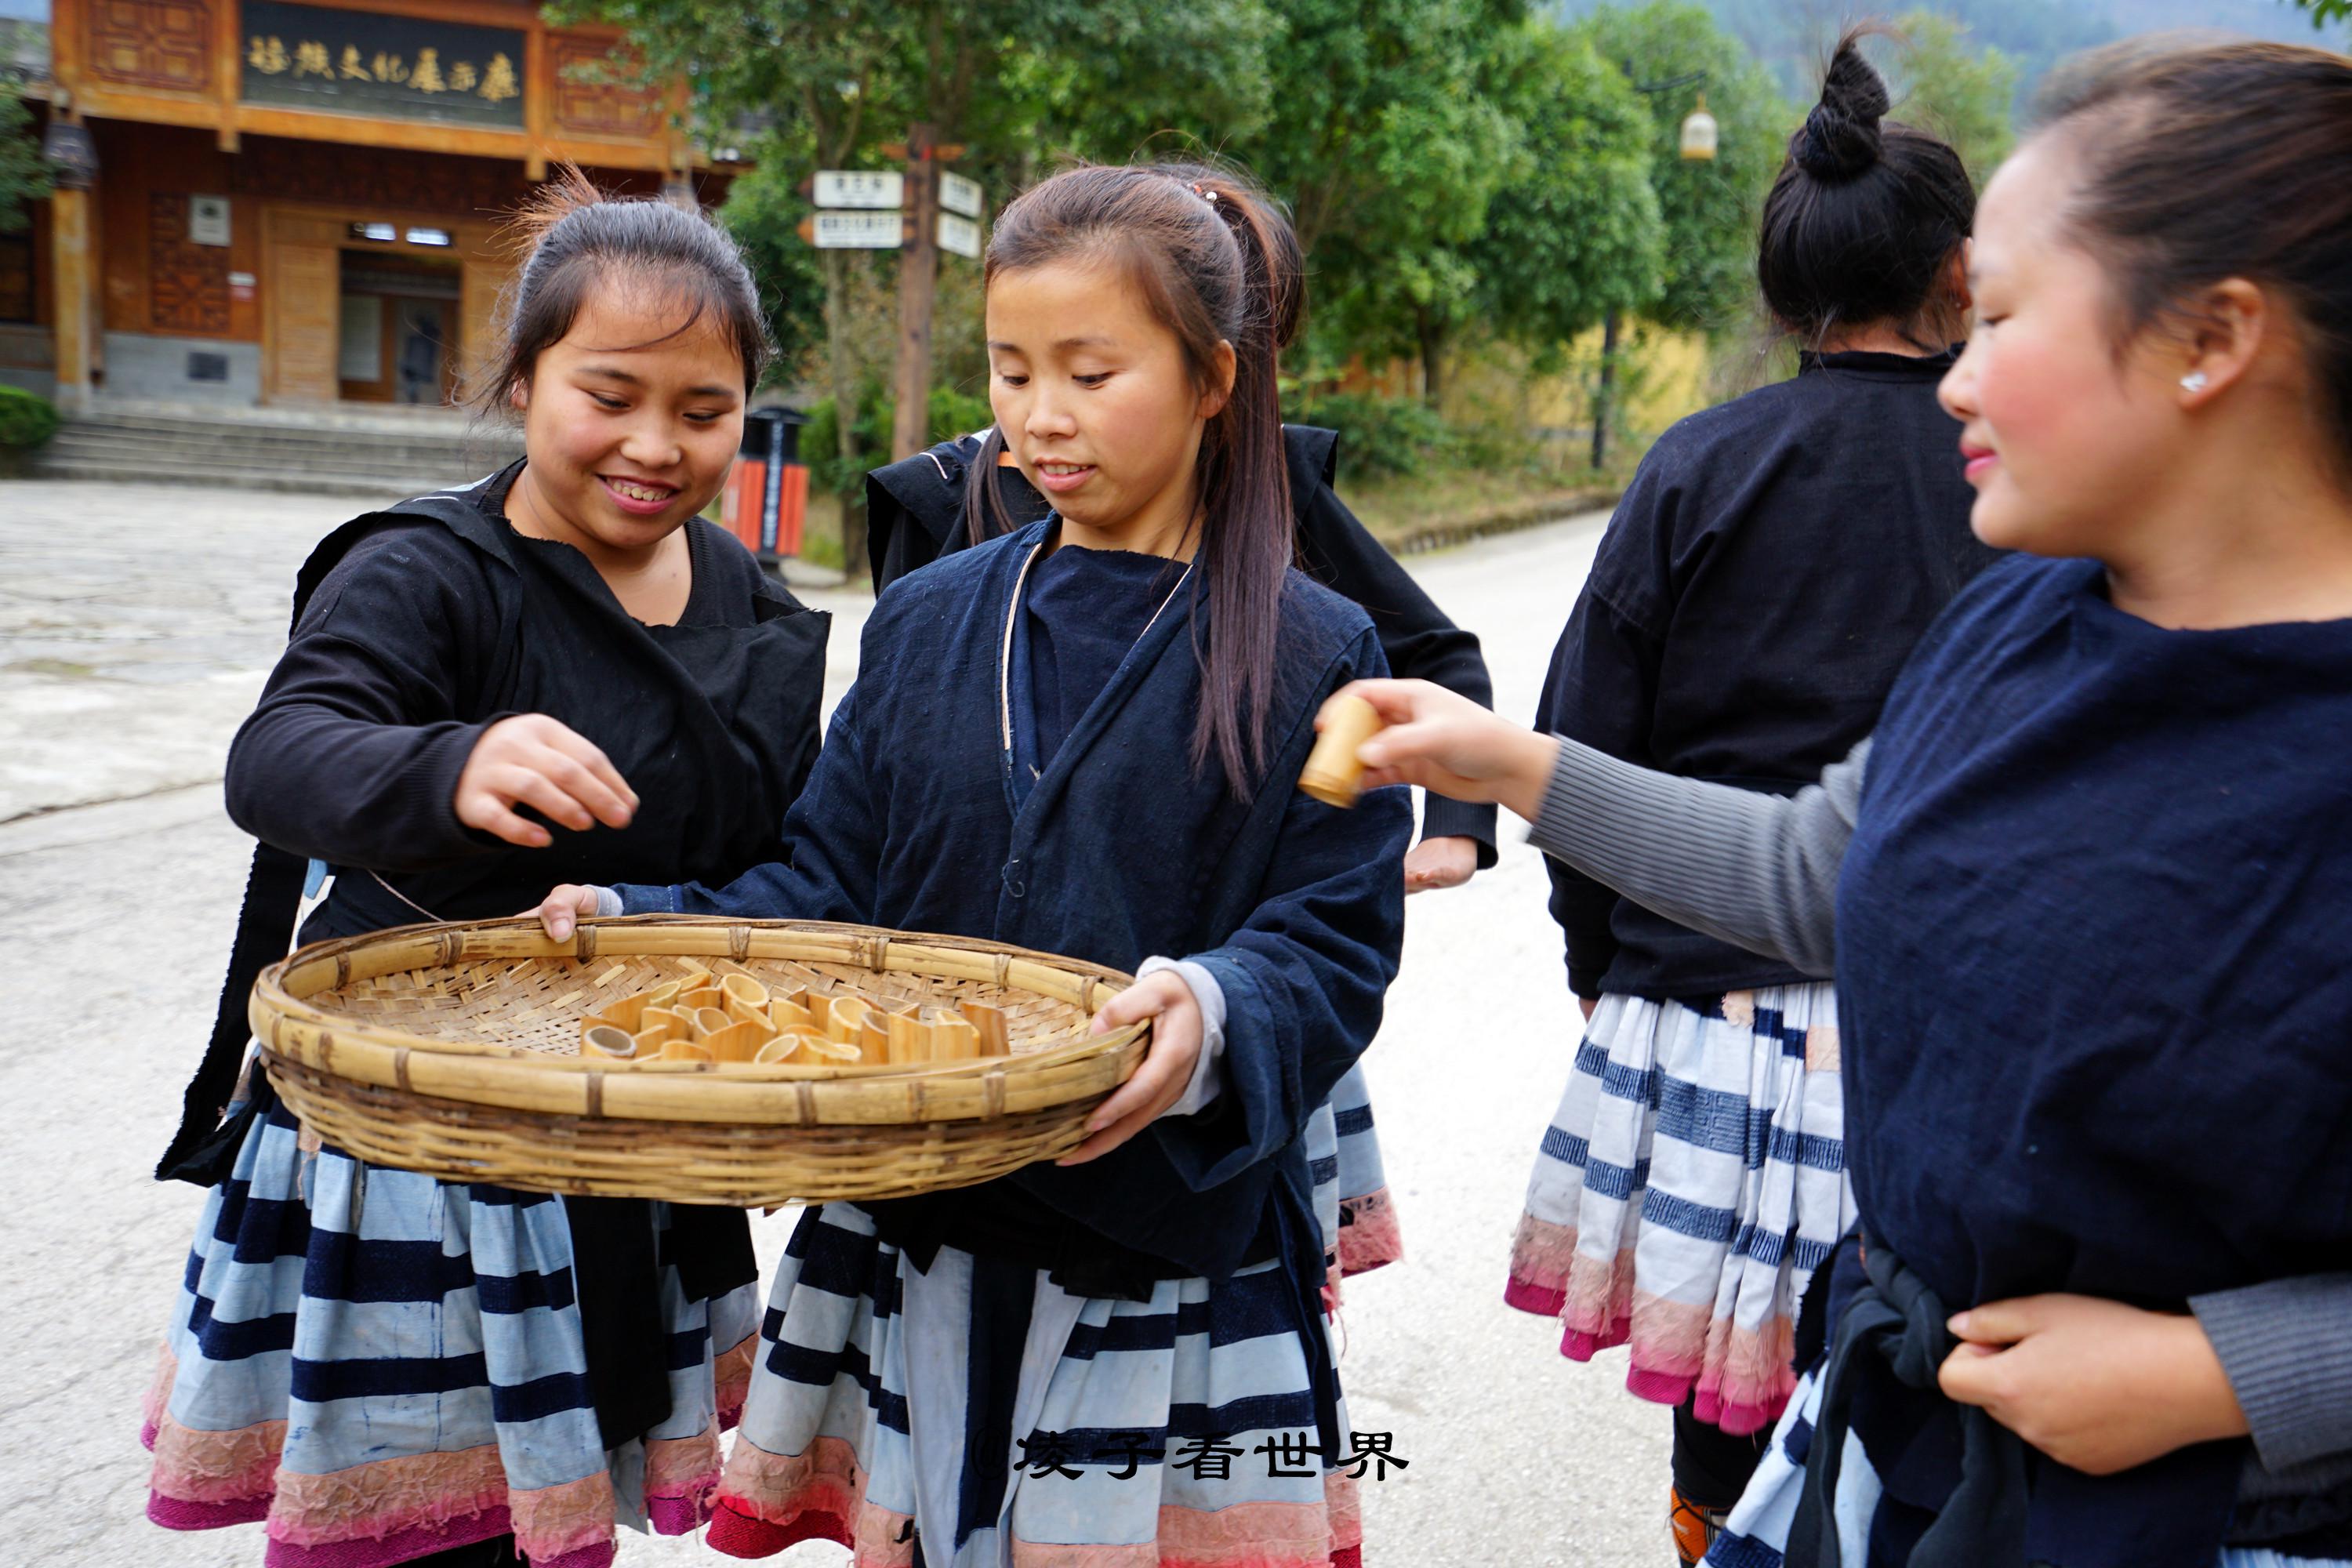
1362	1215
1691	1181
1179	1430
378	1366
1757	1533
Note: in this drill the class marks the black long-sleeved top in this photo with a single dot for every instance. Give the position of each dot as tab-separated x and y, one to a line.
418	633
915	514
1761	583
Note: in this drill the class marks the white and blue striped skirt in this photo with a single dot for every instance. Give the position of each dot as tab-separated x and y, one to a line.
378	1366
1690	1183
1130	1434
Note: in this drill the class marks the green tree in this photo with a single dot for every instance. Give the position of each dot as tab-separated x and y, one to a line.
763	211
1569	232
1949	89
1709	208
2323	12
24	173
1576	232
834	79
1387	154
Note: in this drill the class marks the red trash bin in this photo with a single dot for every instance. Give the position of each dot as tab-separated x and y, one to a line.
766	499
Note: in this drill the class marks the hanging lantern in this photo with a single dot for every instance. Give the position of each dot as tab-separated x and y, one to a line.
1699	134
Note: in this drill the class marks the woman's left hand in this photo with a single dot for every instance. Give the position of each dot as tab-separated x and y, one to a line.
1168	1064
2093	1384
1435	863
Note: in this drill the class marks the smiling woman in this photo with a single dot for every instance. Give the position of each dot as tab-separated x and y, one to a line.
557	671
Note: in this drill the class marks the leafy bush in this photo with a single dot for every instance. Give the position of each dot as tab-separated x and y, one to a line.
1379	437
952	413
25	420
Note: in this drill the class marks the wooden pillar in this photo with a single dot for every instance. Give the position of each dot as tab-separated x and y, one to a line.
74	272
918	271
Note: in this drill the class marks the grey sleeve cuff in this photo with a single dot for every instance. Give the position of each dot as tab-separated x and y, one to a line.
608	902
1208	1079
1756	870
2286	1348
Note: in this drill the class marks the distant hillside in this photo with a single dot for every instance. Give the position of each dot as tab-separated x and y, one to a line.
1792	36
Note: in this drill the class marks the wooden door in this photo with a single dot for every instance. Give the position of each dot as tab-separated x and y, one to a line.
301	309
484	276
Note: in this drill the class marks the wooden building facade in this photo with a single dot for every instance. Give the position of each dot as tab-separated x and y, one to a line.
297	204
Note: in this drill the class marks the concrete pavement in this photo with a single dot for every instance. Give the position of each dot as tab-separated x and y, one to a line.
135	625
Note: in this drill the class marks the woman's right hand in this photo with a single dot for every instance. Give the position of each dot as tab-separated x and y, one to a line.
560	911
1450	745
530	760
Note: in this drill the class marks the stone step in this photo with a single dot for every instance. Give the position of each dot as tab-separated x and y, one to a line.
151	457
217	475
331	452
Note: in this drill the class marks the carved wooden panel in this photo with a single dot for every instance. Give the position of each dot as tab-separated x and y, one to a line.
587	102
282	169
187	283
162	44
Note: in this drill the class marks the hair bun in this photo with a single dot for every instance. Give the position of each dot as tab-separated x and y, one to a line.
1840	139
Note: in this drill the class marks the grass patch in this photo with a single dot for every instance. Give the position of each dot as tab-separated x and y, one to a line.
1408	509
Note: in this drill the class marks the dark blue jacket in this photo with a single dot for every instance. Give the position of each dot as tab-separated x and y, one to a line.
1121	849
2093	971
1760	585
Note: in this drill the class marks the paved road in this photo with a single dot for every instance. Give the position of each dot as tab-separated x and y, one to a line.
134	625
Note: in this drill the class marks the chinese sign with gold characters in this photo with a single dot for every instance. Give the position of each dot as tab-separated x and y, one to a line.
360	62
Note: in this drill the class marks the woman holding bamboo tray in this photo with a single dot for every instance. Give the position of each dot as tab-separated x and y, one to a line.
1035	1369
557	671
934	504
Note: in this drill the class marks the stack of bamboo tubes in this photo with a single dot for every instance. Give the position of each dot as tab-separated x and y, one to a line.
702	1018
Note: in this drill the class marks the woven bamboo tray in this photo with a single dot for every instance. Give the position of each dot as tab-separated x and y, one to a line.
453	1050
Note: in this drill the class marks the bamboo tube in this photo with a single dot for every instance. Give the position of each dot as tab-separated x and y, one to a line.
820	1007
696	1001
667	1018
995	1029
843	1016
1334	774
787	1014
627	1014
783	1049
686	1051
910	1037
608	1040
746	997
953	1039
694	979
818	1050
709	1021
873	1038
739	1042
651	1040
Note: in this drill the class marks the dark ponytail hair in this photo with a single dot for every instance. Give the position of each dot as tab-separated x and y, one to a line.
573	236
1215	260
2202	163
1864	216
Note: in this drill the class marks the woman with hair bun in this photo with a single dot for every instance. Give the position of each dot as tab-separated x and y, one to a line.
1763	578
558	670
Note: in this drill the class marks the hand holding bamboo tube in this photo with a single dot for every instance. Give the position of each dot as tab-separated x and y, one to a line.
1334	773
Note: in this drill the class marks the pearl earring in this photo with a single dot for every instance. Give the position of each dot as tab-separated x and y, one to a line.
2194	381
